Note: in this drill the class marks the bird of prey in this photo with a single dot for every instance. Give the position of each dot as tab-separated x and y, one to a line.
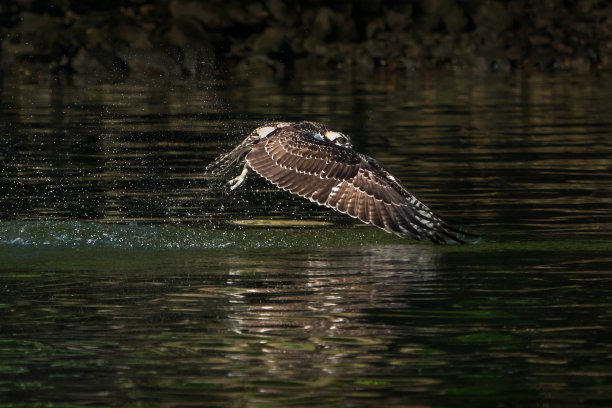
314	162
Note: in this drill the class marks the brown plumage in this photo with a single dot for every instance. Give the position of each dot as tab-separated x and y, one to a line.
307	159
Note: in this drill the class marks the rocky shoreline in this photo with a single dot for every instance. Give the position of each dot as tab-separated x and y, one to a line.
115	40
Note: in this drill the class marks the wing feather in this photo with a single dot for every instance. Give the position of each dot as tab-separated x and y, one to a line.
344	196
374	215
323	190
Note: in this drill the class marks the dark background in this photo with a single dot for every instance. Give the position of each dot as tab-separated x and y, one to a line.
112	40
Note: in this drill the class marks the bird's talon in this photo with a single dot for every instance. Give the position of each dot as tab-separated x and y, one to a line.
235	183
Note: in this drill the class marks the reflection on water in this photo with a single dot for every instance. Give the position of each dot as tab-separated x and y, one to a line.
129	278
358	325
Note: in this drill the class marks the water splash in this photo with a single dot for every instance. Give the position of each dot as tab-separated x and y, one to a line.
78	234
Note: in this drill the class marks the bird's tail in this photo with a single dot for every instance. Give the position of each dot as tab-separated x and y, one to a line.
226	162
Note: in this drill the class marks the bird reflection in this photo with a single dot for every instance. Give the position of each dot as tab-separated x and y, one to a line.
321	294
310	312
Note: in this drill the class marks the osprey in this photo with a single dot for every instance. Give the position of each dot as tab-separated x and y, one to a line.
308	159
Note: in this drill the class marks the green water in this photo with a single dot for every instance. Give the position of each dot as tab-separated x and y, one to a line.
129	278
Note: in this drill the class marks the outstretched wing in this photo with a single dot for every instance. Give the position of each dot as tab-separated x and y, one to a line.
347	181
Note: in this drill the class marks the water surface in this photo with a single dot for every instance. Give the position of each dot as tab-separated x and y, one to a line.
128	277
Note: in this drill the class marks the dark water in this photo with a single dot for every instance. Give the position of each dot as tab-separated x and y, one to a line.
129	278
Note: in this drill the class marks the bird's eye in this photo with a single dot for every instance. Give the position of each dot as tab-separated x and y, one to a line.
341	140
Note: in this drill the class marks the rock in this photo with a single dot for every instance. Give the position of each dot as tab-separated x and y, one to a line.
270	41
323	24
186	30
453	16
492	17
205	13
398	20
281	13
438	15
193	41
367	8
345	28
329	25
252	14
133	34
374	28
87	6
220	15
428	20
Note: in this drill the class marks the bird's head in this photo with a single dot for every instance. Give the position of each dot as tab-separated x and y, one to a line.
337	138
321	133
314	129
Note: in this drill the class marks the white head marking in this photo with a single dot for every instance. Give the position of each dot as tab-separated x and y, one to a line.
338	138
331	135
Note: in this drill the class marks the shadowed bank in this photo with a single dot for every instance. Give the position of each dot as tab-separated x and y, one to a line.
114	40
